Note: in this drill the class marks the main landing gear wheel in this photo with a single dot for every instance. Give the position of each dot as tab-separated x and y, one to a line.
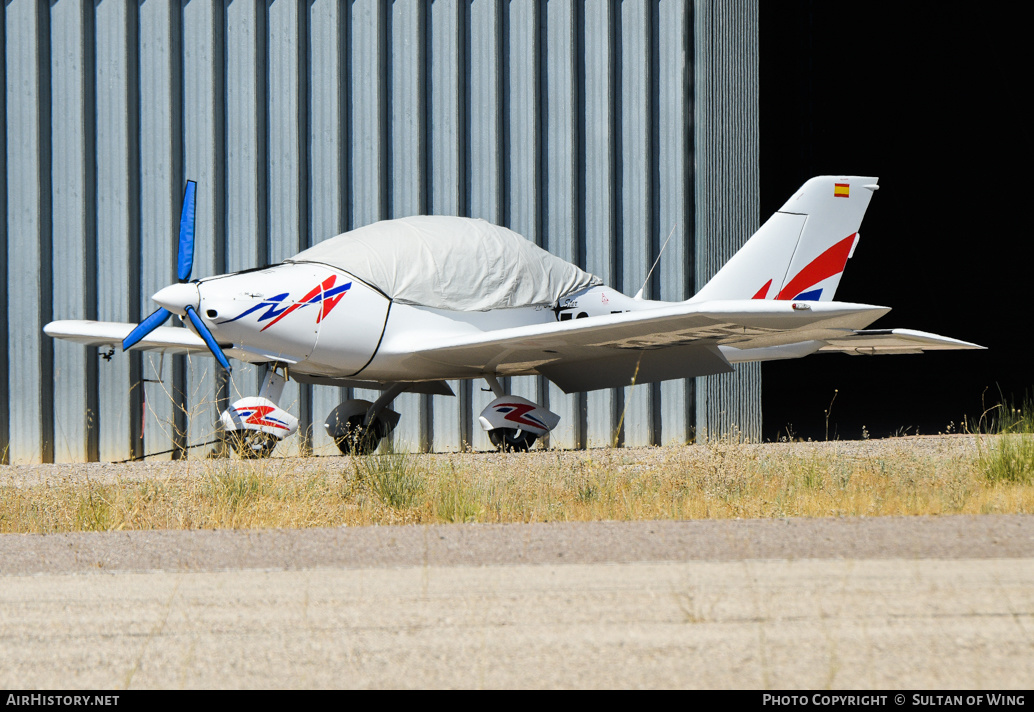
359	440
251	444
511	439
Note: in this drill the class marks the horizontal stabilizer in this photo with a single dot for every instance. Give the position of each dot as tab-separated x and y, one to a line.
876	342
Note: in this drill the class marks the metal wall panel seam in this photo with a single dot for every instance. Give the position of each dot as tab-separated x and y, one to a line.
344	136
134	242
90	293
219	149
46	248
180	405
220	190
260	69
306	421
5	393
653	179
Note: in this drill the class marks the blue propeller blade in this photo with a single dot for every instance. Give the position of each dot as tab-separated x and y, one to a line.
146	327
184	264
205	334
185	256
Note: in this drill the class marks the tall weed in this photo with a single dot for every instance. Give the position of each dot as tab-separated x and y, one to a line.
1006	449
393	478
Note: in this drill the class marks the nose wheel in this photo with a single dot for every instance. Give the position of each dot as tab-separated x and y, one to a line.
512	439
251	444
500	415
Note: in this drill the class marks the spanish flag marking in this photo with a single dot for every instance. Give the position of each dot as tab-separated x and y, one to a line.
841	190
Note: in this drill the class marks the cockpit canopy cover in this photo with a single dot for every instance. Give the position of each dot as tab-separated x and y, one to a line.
461	264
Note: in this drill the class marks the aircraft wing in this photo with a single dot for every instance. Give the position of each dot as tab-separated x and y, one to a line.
676	341
170	339
874	342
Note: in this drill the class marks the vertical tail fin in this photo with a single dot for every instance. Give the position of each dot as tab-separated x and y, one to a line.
801	251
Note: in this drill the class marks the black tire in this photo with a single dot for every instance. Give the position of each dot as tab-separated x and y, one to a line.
251	444
511	439
360	441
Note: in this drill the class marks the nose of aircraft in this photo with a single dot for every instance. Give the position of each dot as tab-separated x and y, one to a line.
177	297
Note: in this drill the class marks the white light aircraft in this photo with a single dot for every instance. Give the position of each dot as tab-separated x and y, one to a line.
404	305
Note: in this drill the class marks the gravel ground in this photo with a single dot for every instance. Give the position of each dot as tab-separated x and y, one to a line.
945	447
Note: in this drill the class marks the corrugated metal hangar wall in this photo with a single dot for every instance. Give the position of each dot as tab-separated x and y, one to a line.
592	127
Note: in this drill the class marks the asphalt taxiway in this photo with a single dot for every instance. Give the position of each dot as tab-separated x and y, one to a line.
898	602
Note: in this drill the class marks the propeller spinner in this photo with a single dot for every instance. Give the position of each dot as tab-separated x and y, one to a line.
182	297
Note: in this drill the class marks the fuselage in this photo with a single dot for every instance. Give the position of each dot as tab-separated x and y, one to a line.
323	321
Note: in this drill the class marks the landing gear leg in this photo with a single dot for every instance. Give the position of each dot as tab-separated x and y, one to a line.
493	383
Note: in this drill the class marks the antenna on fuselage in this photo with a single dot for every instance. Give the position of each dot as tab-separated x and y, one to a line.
639	294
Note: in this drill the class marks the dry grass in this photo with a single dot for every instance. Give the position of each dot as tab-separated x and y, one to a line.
722	479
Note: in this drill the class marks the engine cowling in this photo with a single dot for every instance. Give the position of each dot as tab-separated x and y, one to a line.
314	318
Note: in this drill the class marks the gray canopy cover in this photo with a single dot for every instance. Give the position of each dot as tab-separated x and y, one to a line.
462	264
